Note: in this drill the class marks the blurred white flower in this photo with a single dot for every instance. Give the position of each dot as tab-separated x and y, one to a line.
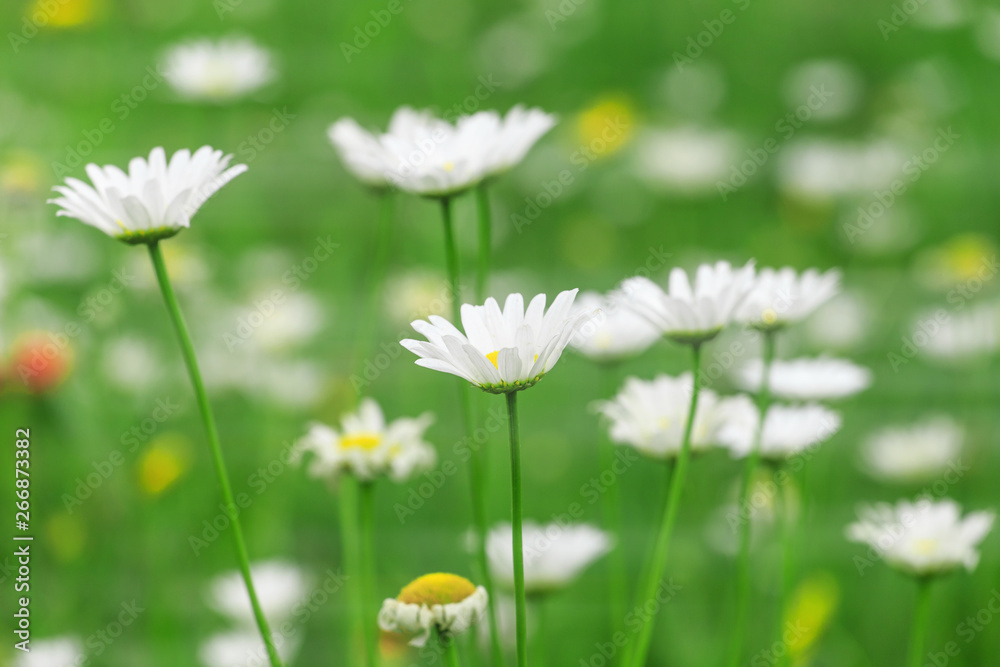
368	447
806	379
842	323
416	294
505	351
651	415
131	363
839	81
54	652
687	159
428	156
790	430
292	384
691	315
554	554
784	296
916	452
696	89
959	336
154	200
443	602
298	318
819	169
988	32
923	538
614	332
280	587
245	648
220	71
942	14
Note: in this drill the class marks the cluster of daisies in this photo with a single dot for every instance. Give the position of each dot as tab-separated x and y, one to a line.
510	348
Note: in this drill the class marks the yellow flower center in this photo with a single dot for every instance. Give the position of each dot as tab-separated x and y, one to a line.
769	316
437	588
492	356
448	166
925	546
365	441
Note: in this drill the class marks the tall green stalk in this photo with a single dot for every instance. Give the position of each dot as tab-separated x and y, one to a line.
350	536
783	515
448	650
208	421
478	478
515	520
367	514
379	264
746	488
920	617
485	239
662	548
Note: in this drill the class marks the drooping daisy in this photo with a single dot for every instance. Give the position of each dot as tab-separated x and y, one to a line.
220	71
915	452
554	554
922	538
155	200
447	603
789	430
784	296
651	415
280	587
368	447
54	652
817	379
614	332
500	351
691	314
240	648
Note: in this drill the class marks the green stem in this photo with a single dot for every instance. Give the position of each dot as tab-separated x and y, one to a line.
485	240
208	421
612	510
515	520
448	649
920	618
784	517
351	541
379	264
662	548
746	488
478	477
367	514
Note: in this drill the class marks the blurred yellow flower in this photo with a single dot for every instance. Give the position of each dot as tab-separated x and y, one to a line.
966	258
21	173
163	463
65	535
63	13
605	127
810	611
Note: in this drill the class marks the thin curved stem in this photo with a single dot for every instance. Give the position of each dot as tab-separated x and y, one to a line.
749	470
784	516
208	421
661	550
350	534
367	514
920	617
515	520
485	240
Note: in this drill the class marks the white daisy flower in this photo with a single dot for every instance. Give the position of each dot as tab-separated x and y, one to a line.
916	452
446	602
818	379
220	71
956	337
789	430
54	652
554	554
245	648
280	587
368	447
784	296
154	200
615	332
922	538
500	351
691	315
428	156
361	152
651	415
